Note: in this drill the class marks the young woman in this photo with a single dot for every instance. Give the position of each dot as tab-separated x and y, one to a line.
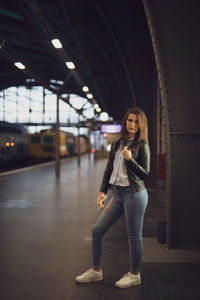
128	166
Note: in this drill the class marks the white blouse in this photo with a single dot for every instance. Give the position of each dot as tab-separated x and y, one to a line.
119	174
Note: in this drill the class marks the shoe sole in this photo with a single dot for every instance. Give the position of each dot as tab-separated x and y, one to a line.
88	281
125	287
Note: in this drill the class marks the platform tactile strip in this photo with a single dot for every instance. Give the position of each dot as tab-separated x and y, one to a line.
156	252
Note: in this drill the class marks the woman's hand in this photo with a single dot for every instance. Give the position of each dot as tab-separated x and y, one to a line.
101	199
126	153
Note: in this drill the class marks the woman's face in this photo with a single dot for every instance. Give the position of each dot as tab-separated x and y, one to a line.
132	125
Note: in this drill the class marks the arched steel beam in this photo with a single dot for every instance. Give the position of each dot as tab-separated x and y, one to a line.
68	18
164	98
118	48
49	32
39	81
109	64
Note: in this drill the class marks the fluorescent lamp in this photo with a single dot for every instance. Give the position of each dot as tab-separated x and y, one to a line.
30	80
104	116
19	65
89	96
70	65
85	89
57	44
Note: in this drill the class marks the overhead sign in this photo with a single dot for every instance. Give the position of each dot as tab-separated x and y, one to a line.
111	128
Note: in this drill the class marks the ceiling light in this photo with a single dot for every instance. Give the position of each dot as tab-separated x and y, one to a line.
89	96
96	106
85	89
70	65
19	65
104	116
59	81
98	109
57	44
30	80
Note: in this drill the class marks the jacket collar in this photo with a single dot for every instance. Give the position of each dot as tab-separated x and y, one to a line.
118	142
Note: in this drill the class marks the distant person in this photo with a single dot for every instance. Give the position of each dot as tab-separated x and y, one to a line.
128	166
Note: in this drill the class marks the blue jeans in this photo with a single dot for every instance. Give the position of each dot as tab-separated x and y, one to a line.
133	205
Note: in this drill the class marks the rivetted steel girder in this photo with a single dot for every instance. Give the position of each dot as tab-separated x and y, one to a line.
175	32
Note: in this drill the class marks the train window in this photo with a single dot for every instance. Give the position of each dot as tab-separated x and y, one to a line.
48	148
48	139
70	140
35	139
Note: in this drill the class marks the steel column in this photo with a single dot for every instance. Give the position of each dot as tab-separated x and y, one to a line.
175	32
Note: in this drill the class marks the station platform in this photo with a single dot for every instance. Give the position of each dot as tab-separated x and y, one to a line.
45	240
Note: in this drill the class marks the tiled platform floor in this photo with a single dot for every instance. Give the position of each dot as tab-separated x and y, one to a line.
45	240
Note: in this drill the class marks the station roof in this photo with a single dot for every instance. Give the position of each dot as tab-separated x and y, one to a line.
104	39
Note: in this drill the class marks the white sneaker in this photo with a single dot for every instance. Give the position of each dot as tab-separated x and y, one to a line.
128	280
90	276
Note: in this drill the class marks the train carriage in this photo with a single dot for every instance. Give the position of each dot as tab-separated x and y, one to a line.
13	144
19	148
43	144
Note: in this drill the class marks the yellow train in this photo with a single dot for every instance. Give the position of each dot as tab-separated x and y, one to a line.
43	144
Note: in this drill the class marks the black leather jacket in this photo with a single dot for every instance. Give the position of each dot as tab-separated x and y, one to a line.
138	167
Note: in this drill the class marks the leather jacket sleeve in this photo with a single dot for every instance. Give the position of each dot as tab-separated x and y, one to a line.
141	167
108	172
